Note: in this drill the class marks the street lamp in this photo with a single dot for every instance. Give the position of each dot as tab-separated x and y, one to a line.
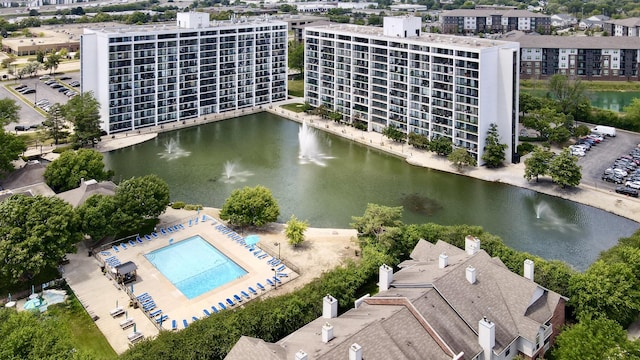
275	283
278	245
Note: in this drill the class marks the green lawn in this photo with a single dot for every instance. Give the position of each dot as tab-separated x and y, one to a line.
294	107
589	85
296	88
83	332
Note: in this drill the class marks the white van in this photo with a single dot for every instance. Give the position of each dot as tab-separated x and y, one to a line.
605	130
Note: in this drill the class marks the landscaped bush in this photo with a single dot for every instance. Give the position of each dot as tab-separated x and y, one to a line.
61	149
178	205
193	207
525	148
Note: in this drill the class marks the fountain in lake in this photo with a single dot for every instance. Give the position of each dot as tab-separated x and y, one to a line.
172	150
233	174
549	220
309	147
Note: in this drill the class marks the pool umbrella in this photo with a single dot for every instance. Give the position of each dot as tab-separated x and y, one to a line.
132	288
9	296
116	302
126	315
134	328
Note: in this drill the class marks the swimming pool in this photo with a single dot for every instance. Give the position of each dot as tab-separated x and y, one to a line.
194	266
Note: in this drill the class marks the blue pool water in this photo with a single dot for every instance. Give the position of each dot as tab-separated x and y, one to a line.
194	266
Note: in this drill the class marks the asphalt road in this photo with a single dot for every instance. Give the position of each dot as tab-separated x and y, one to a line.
603	155
28	113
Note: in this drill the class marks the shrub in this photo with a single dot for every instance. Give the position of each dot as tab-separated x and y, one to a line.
193	207
525	148
178	205
61	149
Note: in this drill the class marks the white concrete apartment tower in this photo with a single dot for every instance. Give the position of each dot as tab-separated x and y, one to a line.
154	75
429	84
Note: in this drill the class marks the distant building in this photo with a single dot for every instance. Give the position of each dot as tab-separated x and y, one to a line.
79	195
155	75
562	21
595	22
408	8
585	57
53	39
444	303
428	84
473	21
623	27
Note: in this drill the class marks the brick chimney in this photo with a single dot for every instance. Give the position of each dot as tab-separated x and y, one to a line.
329	307
529	269
385	277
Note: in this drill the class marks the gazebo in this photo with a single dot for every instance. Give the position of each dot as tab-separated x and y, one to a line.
126	273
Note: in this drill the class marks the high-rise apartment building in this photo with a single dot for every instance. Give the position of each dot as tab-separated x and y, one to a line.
153	75
429	84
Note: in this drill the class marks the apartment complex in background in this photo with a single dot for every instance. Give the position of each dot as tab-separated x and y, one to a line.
153	75
428	84
623	27
585	57
443	303
474	21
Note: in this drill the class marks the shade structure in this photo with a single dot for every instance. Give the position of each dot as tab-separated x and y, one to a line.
252	239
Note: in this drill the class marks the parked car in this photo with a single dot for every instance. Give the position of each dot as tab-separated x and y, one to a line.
627	191
612	178
633	184
55	86
29	91
65	78
21	128
21	86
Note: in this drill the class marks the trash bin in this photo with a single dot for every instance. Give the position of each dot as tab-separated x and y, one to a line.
516	158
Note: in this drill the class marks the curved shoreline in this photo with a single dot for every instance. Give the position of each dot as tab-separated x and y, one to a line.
510	174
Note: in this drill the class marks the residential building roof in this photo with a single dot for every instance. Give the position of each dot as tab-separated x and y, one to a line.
428	309
489	12
630	22
572	42
79	195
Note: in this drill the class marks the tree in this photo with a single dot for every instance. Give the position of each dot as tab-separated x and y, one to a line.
606	290
65	172
9	111
335	116
35	233
295	230
460	157
570	95
254	206
376	220
418	141
83	112
564	169
11	148
374	20
96	216
393	133
538	163
441	146
32	68
31	335
55	124
632	111
296	56
551	124
52	63
142	198
493	155
591	340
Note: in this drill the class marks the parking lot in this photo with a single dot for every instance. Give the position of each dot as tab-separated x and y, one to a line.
602	156
28	115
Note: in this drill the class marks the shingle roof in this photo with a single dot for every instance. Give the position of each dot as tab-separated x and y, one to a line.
79	195
248	348
489	12
572	42
630	22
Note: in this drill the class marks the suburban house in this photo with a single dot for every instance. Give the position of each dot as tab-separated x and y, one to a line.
562	21
443	303
623	27
493	21
79	195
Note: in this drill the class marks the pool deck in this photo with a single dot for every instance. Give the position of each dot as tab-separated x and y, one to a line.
100	294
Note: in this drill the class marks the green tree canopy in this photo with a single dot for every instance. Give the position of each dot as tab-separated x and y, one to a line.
376	220
52	63
30	335
592	340
632	111
65	172
143	197
295	230
55	124
253	206
10	149
608	290
441	145
493	155
83	111
564	169
460	158
393	133
98	216
35	233
418	141
296	56
570	95
8	111
537	164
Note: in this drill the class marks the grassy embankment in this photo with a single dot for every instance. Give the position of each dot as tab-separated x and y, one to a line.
589	85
